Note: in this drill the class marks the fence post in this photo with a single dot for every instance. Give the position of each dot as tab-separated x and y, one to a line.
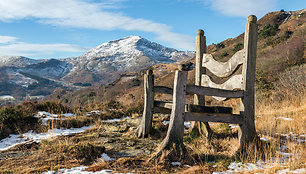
176	126
146	122
199	70
247	132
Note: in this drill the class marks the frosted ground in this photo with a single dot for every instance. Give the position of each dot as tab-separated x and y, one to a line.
16	139
234	167
31	136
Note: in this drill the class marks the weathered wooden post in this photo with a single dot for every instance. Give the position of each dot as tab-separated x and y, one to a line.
146	122
173	142
247	133
199	70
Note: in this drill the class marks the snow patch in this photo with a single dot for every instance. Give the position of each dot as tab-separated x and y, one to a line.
97	112
233	126
45	116
7	97
187	124
264	139
284	118
78	170
176	163
115	119
105	157
30	136
292	171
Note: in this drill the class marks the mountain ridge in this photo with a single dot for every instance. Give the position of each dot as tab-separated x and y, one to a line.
98	66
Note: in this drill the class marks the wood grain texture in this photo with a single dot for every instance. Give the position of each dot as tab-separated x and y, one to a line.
235	82
213	117
201	90
163	89
146	122
199	70
232	83
247	132
161	110
194	108
163	104
208	109
176	126
223	69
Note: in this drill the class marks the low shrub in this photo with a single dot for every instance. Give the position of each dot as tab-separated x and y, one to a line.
237	47
268	30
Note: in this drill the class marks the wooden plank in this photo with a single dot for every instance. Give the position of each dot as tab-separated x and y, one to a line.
247	109
163	89
223	69
161	110
232	83
213	117
194	108
200	90
208	109
163	104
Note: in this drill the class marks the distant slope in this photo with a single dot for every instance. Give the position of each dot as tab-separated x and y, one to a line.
98	66
105	62
281	46
16	61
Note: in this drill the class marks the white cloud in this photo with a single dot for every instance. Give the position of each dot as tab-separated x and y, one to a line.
7	39
242	8
11	47
86	14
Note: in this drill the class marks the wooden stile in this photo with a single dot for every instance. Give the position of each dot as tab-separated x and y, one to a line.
237	86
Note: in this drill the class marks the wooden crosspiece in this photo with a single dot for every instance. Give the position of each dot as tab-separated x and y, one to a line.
237	86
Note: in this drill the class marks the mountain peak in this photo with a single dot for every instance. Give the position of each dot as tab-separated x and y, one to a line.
16	61
130	47
133	37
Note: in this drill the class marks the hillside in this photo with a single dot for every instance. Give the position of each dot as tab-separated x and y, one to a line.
281	47
101	65
98	66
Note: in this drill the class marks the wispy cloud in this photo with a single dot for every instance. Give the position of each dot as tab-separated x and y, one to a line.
87	14
241	8
7	39
11	46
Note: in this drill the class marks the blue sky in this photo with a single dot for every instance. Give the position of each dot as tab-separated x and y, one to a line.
68	28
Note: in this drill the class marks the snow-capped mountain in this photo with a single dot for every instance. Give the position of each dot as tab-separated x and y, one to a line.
129	48
16	61
128	54
97	66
